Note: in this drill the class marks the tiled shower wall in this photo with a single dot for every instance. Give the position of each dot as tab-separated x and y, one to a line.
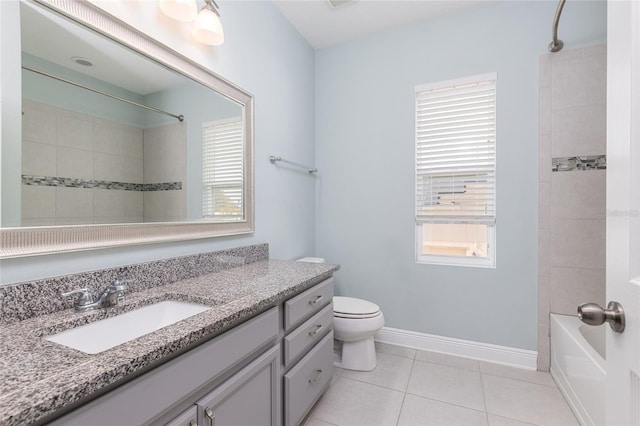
165	162
66	152
81	169
572	202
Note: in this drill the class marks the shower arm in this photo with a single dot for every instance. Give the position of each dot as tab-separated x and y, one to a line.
556	45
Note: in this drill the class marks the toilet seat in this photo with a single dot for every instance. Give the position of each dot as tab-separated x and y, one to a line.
350	307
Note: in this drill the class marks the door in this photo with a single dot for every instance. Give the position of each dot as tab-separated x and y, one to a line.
623	209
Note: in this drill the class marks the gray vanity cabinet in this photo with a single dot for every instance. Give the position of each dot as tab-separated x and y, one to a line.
160	395
238	378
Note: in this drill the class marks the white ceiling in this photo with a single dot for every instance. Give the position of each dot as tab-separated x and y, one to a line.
56	40
323	25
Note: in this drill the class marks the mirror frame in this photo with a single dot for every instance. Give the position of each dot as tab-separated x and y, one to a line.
19	242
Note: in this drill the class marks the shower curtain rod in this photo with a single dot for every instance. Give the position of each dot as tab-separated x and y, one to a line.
556	45
73	83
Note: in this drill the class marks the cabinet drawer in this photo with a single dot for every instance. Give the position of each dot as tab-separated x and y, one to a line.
308	334
306	303
187	418
307	380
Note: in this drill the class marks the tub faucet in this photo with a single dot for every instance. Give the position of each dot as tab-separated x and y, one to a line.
88	300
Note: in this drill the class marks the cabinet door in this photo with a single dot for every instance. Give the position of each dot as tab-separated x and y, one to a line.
187	418
249	398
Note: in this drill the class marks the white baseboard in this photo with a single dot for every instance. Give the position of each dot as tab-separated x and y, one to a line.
514	357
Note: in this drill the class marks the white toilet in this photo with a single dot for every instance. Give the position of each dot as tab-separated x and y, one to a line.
355	321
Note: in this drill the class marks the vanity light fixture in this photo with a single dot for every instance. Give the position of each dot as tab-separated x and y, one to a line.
207	28
180	10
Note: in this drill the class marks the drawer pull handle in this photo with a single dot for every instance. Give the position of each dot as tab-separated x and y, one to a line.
316	330
210	415
316	300
315	377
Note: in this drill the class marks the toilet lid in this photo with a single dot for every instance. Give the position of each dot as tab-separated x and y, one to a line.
350	307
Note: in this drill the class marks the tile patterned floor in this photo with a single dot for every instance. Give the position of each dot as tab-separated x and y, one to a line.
417	388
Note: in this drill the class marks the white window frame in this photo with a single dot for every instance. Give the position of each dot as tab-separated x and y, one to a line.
466	261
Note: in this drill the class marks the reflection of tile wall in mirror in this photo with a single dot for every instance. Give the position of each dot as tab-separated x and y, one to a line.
99	174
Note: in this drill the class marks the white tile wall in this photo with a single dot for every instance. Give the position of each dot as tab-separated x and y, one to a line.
38	122
165	153
161	206
74	131
38	202
37	159
165	161
74	203
108	203
571	209
74	163
62	143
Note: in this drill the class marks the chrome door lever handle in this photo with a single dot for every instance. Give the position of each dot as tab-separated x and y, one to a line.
594	314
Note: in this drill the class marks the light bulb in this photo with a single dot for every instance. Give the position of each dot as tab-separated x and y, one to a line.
180	10
208	29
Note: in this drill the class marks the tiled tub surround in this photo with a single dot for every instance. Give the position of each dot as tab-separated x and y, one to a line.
39	377
571	185
82	169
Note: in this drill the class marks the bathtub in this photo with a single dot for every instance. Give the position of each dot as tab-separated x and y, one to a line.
578	366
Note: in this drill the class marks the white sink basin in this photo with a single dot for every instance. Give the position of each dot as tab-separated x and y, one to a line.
105	334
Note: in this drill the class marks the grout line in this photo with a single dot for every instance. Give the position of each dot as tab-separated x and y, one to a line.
368	383
404	394
484	397
553	385
447	403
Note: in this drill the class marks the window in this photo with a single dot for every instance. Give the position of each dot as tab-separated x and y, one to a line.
222	170
456	172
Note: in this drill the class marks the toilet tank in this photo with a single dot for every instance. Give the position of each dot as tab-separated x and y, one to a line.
311	260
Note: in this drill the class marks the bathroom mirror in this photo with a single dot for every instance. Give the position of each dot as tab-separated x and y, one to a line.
122	140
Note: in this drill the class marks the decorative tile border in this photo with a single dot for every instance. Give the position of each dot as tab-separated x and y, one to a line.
29	299
99	184
585	162
164	186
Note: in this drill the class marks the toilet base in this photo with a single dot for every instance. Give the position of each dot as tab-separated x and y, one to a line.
358	356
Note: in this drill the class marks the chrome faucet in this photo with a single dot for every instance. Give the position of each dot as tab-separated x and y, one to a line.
87	300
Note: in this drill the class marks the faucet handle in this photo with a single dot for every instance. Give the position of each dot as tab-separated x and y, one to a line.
120	285
85	296
77	291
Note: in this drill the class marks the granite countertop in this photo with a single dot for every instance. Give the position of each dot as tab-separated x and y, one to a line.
38	377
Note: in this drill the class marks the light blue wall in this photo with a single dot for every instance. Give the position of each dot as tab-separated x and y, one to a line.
264	55
365	150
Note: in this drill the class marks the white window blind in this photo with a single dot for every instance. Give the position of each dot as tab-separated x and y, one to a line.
222	170
456	151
